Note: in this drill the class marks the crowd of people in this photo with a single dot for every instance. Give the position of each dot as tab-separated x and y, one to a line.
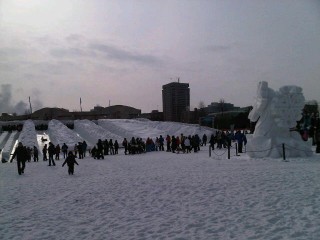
173	144
223	139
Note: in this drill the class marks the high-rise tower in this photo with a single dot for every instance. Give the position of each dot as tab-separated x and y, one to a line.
175	100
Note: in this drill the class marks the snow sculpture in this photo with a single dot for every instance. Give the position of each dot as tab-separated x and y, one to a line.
277	112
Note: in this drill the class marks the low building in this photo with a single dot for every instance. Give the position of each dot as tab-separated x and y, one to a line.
155	115
117	112
218	107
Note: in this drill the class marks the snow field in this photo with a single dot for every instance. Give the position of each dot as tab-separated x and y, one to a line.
161	195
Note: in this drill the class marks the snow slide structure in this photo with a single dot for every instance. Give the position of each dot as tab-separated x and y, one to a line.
60	133
28	135
92	132
128	128
144	128
9	145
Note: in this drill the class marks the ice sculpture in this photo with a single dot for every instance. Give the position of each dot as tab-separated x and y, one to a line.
276	112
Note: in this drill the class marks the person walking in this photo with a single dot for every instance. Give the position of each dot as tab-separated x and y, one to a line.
70	161
21	154
241	139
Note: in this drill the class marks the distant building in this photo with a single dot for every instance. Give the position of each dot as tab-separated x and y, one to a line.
219	107
175	100
117	112
154	115
111	112
51	113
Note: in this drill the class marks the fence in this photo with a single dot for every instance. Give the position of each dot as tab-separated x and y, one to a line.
234	146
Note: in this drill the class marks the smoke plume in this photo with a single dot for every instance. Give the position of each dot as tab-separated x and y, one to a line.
7	104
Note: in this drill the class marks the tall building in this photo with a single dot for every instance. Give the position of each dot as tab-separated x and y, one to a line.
175	100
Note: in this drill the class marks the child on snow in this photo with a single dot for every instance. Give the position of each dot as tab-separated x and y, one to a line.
70	161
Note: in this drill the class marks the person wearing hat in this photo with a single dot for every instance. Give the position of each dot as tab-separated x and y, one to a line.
21	154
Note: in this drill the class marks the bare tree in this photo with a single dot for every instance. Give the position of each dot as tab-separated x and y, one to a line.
201	105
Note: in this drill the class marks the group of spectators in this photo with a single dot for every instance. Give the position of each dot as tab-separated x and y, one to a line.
106	147
50	153
23	155
11	128
224	139
174	144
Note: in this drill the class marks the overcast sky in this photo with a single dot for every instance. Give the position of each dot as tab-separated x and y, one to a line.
56	51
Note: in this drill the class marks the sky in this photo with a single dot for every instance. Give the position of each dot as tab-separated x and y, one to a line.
123	52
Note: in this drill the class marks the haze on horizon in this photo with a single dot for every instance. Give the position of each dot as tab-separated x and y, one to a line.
58	51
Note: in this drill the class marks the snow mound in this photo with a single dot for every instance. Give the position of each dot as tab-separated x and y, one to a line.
60	133
92	132
28	135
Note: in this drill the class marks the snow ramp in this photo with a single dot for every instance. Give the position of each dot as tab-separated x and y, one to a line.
93	132
28	135
60	133
131	128
3	139
9	146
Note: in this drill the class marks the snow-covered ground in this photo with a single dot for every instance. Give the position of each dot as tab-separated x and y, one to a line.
161	195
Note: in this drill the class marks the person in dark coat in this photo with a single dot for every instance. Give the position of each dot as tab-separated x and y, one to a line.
116	147
212	141
51	152
125	145
241	139
204	139
64	149
70	161
21	154
94	151
84	148
111	147
44	152
35	154
57	152
161	142
80	150
99	150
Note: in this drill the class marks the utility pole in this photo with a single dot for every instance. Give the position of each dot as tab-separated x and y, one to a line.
30	107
